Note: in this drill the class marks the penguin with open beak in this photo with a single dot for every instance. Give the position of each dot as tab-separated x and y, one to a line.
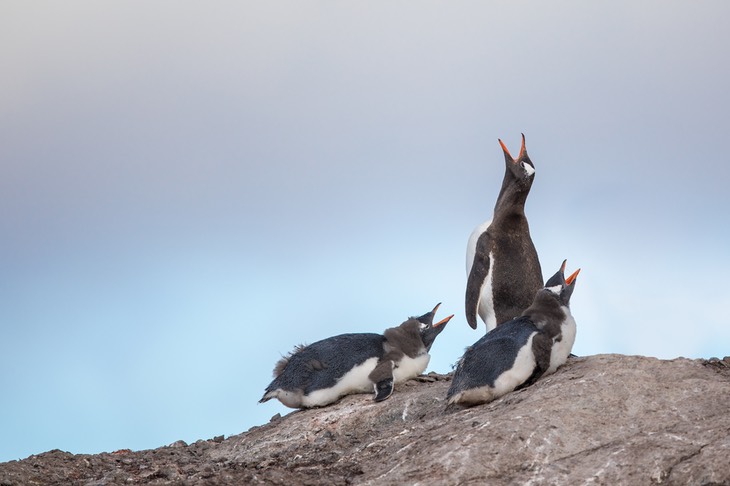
518	352
323	372
502	266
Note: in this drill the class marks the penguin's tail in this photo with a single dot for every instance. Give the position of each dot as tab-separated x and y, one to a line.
271	392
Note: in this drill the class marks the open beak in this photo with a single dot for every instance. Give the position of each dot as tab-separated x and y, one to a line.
570	279
443	321
522	149
427	318
504	148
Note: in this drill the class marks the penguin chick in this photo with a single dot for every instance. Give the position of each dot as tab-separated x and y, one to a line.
515	354
502	267
323	372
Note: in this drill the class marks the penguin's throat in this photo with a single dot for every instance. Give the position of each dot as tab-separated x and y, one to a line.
548	319
512	198
405	339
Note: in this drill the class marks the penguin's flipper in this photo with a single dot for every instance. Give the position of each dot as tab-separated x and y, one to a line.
382	378
383	389
477	276
541	348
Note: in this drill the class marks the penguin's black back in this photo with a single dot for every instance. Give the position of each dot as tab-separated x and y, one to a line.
320	364
492	355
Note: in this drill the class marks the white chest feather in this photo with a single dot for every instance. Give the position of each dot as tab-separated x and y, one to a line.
410	367
521	370
354	381
562	348
486	298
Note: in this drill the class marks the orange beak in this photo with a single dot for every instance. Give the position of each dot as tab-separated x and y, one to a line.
443	321
570	279
504	147
522	149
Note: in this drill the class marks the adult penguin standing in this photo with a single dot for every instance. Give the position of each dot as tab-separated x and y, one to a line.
501	261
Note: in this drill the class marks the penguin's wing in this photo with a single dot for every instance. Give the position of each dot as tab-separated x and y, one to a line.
471	244
482	363
541	348
492	355
337	355
320	364
477	276
382	375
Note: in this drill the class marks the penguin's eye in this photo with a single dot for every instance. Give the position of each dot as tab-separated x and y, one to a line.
422	325
528	168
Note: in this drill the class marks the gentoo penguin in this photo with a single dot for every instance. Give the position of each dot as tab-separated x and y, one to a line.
320	373
503	271
518	352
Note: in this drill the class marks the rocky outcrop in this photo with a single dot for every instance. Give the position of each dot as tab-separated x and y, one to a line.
606	419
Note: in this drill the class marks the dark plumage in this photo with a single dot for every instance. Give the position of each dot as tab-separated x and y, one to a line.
521	350
503	269
322	372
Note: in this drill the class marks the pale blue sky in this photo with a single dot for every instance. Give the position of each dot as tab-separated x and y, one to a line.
188	190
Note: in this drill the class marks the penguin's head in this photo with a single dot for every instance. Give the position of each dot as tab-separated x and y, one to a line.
561	287
428	329
521	169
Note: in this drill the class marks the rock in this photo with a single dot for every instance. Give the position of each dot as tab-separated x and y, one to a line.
606	419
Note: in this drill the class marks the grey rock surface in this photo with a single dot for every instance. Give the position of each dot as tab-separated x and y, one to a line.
605	419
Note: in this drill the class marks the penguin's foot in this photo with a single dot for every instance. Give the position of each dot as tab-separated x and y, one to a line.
383	389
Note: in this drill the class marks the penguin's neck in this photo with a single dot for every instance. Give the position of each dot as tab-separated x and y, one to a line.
406	338
547	313
512	197
511	201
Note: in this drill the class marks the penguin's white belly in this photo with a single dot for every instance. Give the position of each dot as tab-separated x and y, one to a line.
410	367
521	370
354	381
561	349
486	298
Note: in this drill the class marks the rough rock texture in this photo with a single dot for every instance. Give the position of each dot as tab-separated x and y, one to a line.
606	419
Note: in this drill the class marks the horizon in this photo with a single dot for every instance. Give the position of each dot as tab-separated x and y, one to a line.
190	191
